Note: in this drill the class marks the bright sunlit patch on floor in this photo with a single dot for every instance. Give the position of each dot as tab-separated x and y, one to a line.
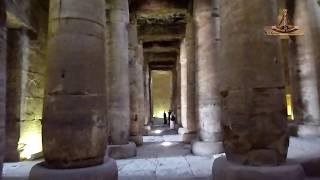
158	131
167	144
30	144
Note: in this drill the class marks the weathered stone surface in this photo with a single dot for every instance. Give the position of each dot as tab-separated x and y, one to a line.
118	73
122	151
161	30
177	95
182	131
25	92
106	171
187	62
225	170
311	167
308	130
206	148
3	39
33	71
136	83
138	140
155	161
295	83
17	14
161	37
187	138
159	20
242	137
157	57
74	111
307	15
15	56
251	85
160	49
147	94
155	5
207	100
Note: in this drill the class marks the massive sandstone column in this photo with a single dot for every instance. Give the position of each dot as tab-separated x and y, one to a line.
177	89
15	56
3	78
140	54
147	96
251	83
151	98
74	119
74	94
307	15
187	63
136	85
208	98
174	88
118	81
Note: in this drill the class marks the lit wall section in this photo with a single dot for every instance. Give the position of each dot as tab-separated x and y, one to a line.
33	82
161	92
34	69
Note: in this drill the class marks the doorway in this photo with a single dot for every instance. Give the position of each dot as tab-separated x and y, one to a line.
161	92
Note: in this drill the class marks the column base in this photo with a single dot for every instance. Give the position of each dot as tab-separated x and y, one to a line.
188	138
225	170
311	166
122	151
137	139
12	156
308	131
206	148
182	131
106	171
147	129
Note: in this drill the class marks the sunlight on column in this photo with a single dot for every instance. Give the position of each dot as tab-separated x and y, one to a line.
289	107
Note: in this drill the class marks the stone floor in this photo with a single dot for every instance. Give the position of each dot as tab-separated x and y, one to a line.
164	157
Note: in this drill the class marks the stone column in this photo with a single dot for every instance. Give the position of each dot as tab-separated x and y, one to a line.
208	97
174	87
136	85
251	85
147	97
107	45
183	86
307	15
295	85
187	61
147	94
3	40
118	87
15	57
140	57
178	93
151	98
74	120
